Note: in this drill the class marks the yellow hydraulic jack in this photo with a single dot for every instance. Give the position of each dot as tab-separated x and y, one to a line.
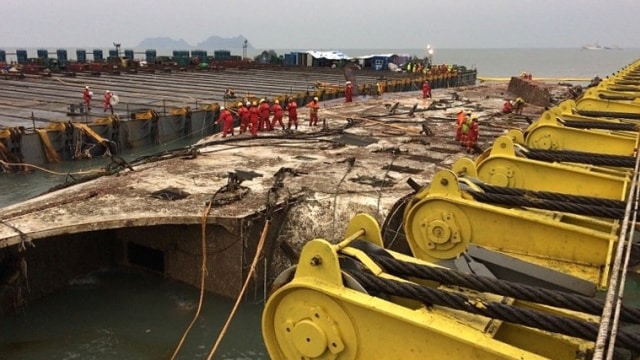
549	133
356	300
505	164
444	218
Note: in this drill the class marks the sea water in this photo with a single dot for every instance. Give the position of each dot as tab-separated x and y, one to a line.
127	314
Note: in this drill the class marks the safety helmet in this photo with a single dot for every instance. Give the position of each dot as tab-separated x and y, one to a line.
221	107
86	87
248	103
276	101
261	101
239	104
254	103
315	98
459	111
475	117
108	92
348	82
469	113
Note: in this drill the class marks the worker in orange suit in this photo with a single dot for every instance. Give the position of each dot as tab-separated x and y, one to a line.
264	109
254	116
226	119
313	111
243	114
426	89
472	134
348	92
460	118
292	109
277	114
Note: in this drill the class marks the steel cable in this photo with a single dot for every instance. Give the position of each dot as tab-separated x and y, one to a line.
578	124
531	318
579	209
501	287
547	195
582	158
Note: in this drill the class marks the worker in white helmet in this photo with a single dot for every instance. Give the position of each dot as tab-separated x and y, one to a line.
86	97
314	106
226	119
107	101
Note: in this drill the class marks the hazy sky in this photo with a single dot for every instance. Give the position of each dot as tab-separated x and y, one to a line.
324	24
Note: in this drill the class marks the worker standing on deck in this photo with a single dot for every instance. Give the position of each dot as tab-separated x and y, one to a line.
107	101
264	110
472	134
426	89
226	119
518	106
86	97
313	111
348	92
277	114
254	116
292	109
380	88
243	114
460	119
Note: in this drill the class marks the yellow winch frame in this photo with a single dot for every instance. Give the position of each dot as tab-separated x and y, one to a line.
502	166
442	220
547	133
316	316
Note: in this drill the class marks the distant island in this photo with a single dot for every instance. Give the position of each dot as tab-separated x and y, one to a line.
213	42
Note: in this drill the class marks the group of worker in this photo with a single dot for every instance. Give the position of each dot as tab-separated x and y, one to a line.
467	130
87	96
254	116
516	106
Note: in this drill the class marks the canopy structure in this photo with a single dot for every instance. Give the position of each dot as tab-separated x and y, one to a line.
329	55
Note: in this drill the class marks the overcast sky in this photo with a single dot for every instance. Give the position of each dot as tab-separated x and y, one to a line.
324	24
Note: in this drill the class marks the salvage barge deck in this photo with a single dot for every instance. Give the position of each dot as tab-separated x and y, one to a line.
44	121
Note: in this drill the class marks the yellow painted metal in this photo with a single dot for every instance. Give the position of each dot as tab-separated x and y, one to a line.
591	101
503	167
565	111
91	133
547	133
315	316
442	219
49	151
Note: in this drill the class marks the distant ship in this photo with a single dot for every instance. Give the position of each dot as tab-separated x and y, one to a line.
596	46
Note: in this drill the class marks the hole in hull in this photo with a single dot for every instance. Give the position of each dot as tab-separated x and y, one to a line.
145	257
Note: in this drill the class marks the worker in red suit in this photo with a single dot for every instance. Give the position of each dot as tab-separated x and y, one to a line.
292	109
86	97
507	107
472	134
226	119
107	101
348	92
243	114
460	119
254	116
426	89
264	110
277	114
313	111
